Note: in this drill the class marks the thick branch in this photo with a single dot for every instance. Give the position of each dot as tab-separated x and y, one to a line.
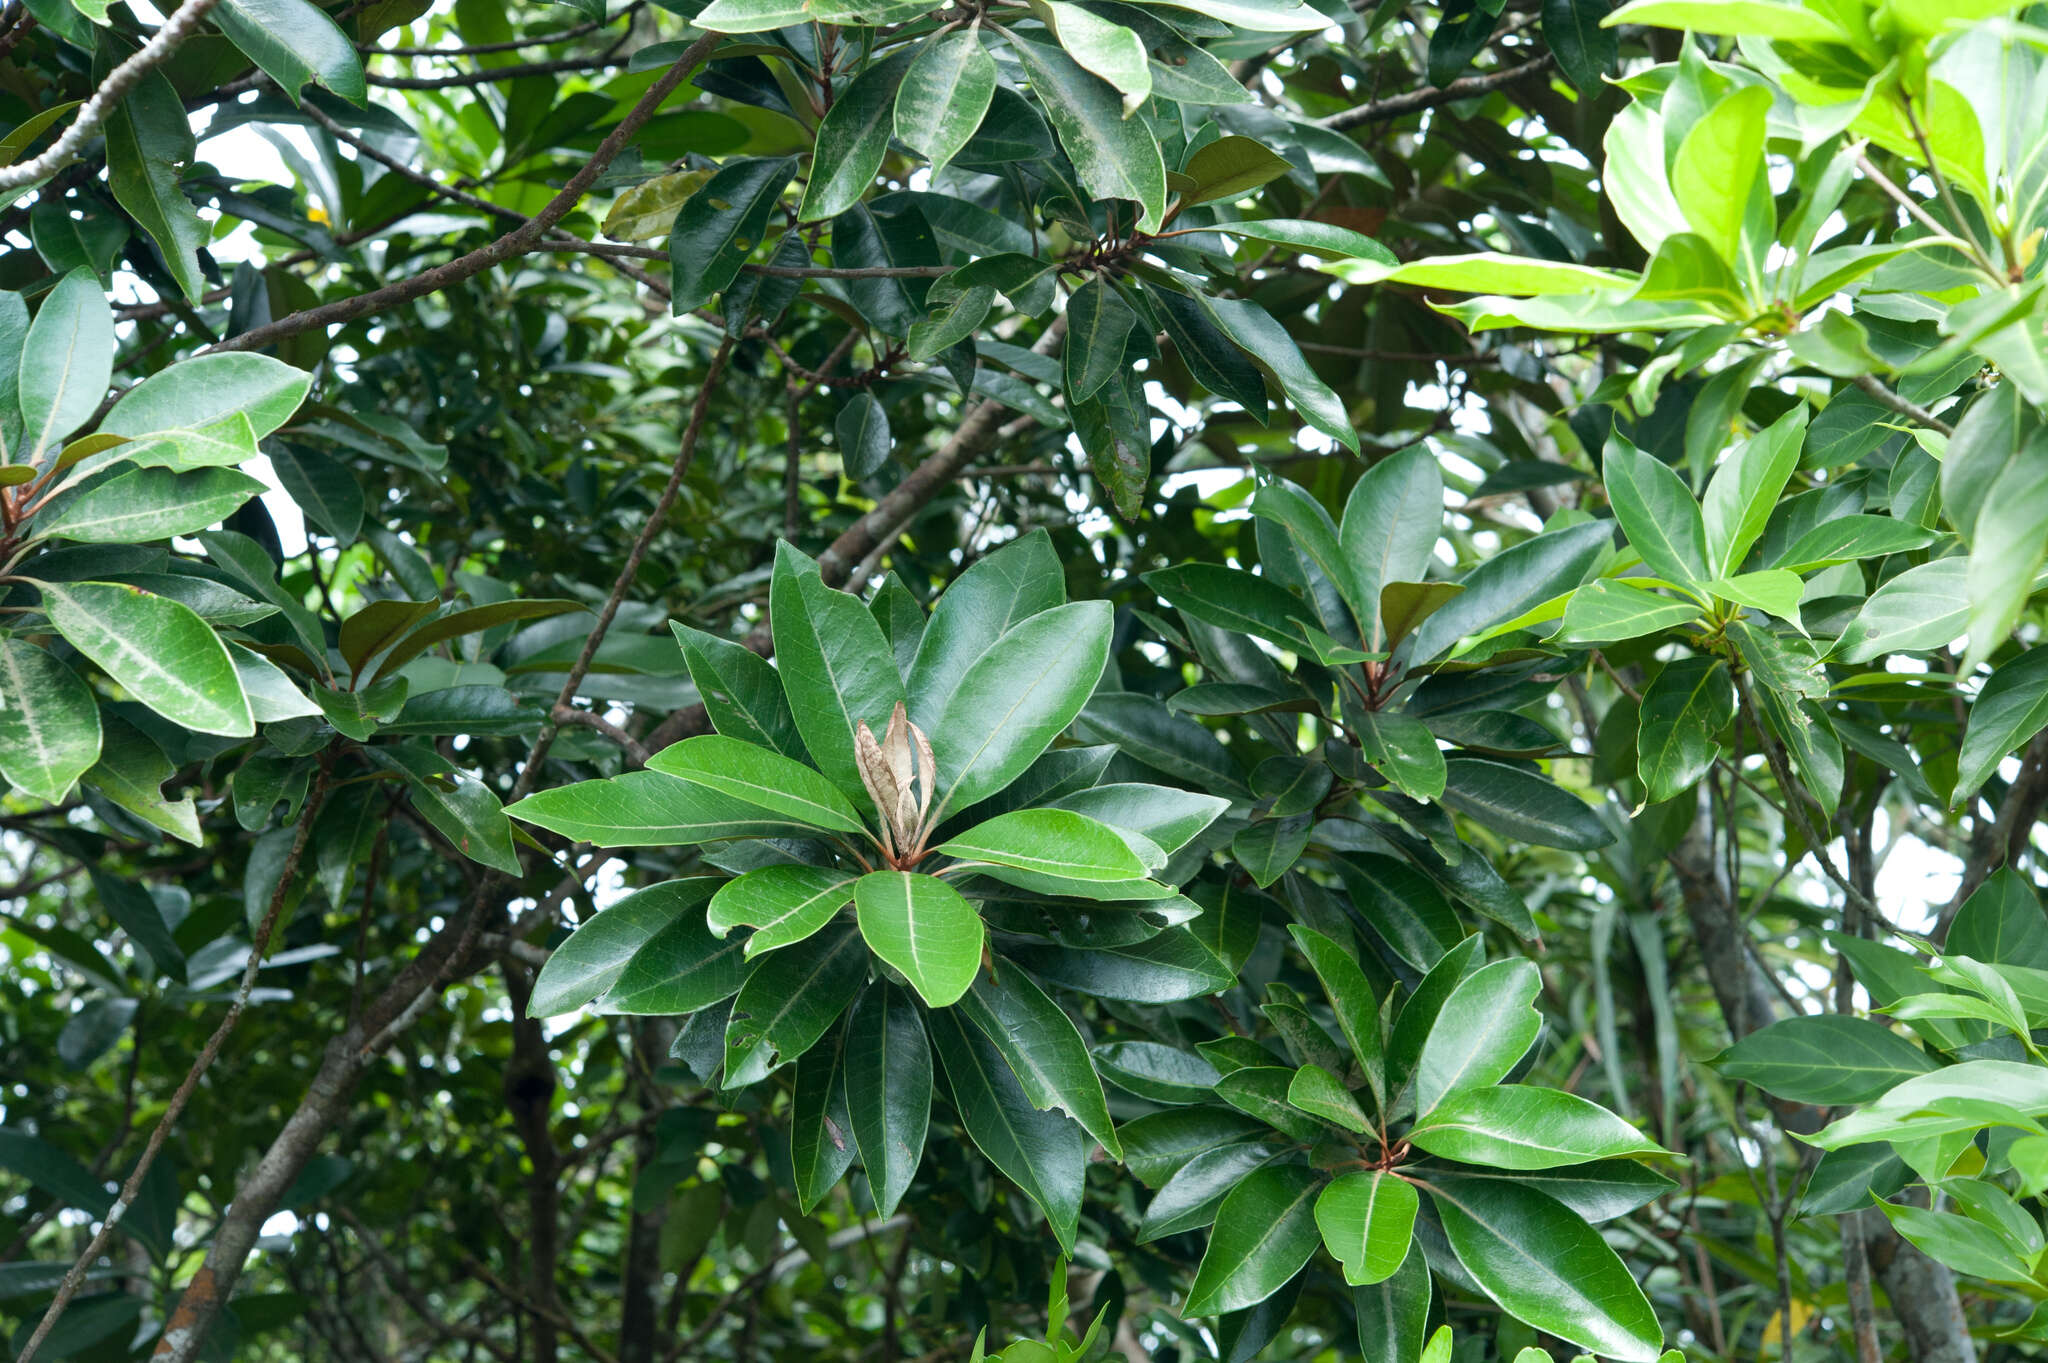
122	79
1429	96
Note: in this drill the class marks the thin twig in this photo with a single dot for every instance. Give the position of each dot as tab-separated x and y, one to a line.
1904	406
1429	96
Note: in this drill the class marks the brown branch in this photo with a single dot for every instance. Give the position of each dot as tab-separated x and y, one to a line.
1430	96
1904	406
589	719
259	944
491	75
517	242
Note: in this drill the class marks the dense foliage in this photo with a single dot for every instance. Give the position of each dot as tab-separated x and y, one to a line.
1198	679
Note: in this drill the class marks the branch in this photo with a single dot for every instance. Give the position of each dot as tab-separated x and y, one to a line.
1429	96
75	1278
519	241
123	78
1904	406
590	719
491	75
483	49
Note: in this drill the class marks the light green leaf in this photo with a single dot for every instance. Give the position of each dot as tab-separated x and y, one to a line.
150	504
1746	488
66	363
852	140
783	904
1515	1126
1403	750
1738	18
1367	1219
1607	611
836	668
1230	168
1485	1027
760	778
1060	851
650	809
1116	158
1922	608
920	925
1656	512
1719	166
1321	1094
2009	711
156	649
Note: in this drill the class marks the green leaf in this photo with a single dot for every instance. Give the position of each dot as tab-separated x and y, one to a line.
836	668
379	625
1265	1233
1232	599
1393	1316
1758	18
820	1129
888	1090
1213	359
1115	430
647	210
1318	1092
1546	1267
1389	532
759	16
1924	607
741	692
1606	611
149	143
1774	591
197	393
1230	168
1486	1025
1147	732
760	778
1157	1073
1000	591
1043	1048
471	620
783	904
1056	851
1014	700
1351	998
1098	323
1403	750
593	957
952	321
789	1001
1510	582
150	504
1316	238
1166	968
649	809
1041	1152
1746	489
1515	801
1684	707
1116	157
944	96
66	363
1827	1059
2006	551
1268	848
1719	166
324	489
1367	1221
1657	513
1189	1200
461	808
852	139
720	226
1254	331
1843	539
158	650
679	969
296	44
131	772
920	925
1518	1127
1585	51
49	722
1959	1242
2001	923
1107	49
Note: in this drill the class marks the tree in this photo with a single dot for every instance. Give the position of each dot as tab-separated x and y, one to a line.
1217	679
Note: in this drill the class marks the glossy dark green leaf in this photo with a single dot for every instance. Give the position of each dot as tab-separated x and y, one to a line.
1099	321
1504	586
820	1129
1825	1059
1213	359
721	225
1351	998
1265	1233
1262	1092
596	954
758	777
295	44
1585	51
1486	1025
324	489
1393	1316
920	925
853	137
1145	730
1055	851
836	668
1320	1093
1389	531
149	504
1160	1143
679	969
1684	709
1255	332
2001	923
1190	1198
1606	611
2009	711
788	1001
1116	157
1517	802
1166	968
1657	513
1042	1047
998	593
1232	599
1015	699
1404	751
888	1090
1546	1267
1162	1074
1043	1153
1114	427
649	809
1230	168
149	145
741	691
